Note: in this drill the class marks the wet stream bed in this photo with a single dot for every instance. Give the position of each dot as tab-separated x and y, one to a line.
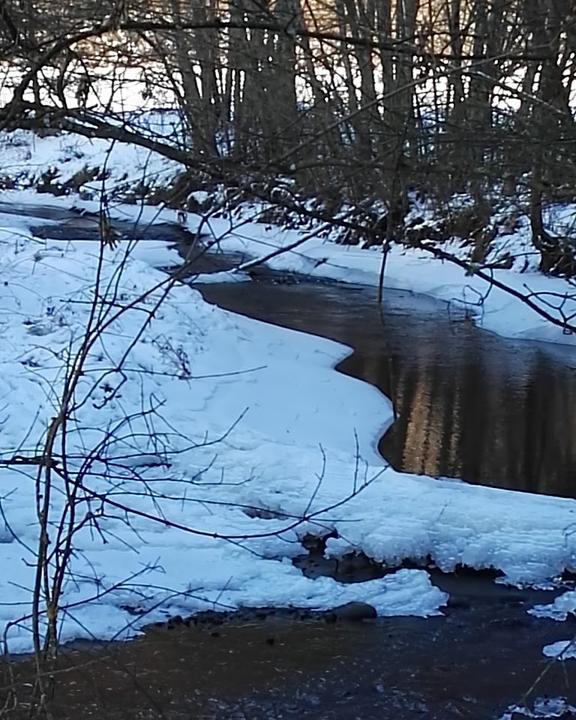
469	405
261	665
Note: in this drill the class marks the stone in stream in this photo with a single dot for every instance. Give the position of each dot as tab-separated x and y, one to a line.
352	612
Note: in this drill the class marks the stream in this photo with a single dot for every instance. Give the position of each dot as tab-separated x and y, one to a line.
469	405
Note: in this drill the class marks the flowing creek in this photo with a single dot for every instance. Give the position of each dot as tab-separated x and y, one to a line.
468	405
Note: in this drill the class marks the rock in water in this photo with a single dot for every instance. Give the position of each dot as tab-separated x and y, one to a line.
354	612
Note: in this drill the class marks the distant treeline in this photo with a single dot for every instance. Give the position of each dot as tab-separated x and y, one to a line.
352	100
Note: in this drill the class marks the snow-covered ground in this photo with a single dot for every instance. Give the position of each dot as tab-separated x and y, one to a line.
77	164
227	418
247	415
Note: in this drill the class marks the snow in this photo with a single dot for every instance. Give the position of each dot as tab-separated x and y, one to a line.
561	650
562	607
221	277
229	402
543	707
414	270
237	429
26	158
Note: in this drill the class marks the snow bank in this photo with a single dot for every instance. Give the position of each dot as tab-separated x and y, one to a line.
561	650
70	160
203	389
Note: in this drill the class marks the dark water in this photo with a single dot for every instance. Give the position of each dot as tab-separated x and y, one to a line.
468	403
44	212
471	664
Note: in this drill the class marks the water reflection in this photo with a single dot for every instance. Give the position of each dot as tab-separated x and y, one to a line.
468	404
498	416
